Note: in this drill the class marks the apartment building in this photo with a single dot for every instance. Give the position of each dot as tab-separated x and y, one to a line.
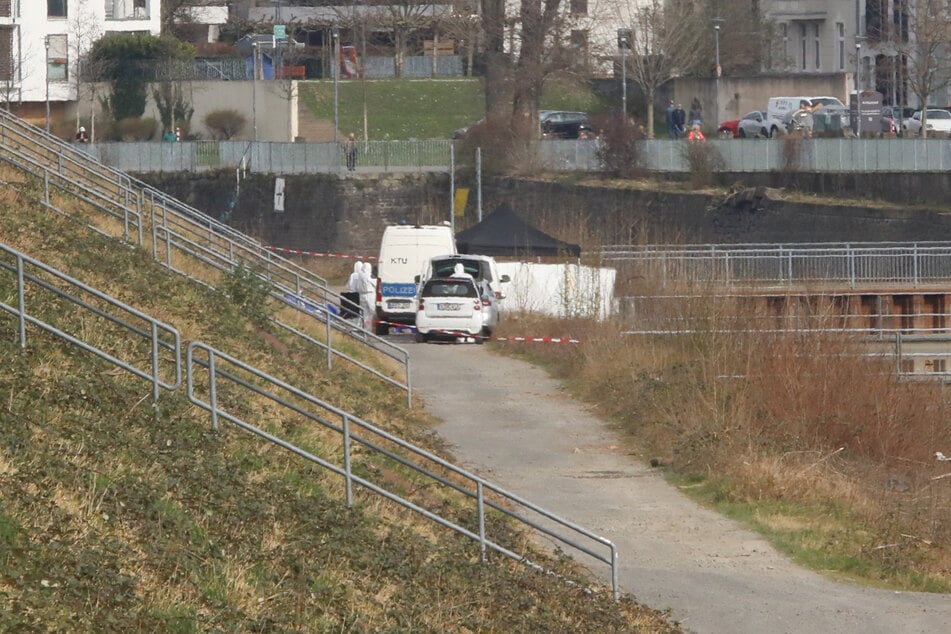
41	42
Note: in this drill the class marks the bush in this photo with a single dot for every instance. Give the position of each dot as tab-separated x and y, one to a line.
225	124
136	129
249	293
618	150
704	161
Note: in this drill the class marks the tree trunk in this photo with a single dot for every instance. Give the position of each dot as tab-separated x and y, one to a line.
496	62
529	72
650	112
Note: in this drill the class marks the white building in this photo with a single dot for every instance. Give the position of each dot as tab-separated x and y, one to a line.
41	42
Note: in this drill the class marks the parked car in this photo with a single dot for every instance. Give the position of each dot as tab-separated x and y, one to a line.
454	307
559	124
753	125
729	129
938	123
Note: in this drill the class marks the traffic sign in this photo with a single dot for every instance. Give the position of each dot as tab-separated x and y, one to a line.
280	31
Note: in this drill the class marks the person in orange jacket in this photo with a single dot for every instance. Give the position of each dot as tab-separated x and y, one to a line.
695	134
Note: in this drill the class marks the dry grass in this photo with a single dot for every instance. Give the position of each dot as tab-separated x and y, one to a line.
799	420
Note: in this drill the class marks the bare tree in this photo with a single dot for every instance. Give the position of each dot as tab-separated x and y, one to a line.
666	42
84	30
926	49
538	18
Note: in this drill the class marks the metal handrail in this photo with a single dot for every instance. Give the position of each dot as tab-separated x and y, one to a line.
119	316
228	260
910	263
352	429
76	168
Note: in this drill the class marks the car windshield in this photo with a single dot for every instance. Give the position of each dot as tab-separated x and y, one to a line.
827	101
939	114
449	288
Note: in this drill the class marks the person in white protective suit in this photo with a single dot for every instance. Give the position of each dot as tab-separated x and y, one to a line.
351	299
460	271
368	295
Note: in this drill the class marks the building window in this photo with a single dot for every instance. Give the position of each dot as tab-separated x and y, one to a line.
579	7
57	58
56	8
802	46
840	35
6	54
784	35
818	43
579	47
6	8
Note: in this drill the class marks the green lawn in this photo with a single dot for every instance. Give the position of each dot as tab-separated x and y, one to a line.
423	108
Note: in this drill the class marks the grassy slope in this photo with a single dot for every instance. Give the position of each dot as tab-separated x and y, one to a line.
117	517
424	108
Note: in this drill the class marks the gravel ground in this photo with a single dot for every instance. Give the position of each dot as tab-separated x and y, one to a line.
510	422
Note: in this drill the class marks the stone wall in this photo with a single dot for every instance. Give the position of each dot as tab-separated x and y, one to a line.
348	215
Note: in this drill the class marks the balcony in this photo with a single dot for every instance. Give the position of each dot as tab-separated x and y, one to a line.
800	10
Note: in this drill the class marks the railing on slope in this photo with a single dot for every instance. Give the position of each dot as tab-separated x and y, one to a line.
75	169
862	263
491	503
38	284
383	455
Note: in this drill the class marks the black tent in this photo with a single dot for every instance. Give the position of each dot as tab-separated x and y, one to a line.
503	232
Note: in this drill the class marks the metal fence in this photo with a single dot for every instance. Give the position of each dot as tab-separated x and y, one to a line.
273	158
182	231
768	155
909	264
229	379
38	285
223	374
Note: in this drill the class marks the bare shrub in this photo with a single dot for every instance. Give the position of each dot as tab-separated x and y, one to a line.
504	149
225	124
136	129
792	153
619	151
704	161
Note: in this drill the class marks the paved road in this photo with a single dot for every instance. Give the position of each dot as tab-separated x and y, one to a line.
510	422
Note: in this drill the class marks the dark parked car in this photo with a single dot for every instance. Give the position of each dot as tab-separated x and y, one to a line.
559	124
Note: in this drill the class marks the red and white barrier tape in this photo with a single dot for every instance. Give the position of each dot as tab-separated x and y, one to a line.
321	255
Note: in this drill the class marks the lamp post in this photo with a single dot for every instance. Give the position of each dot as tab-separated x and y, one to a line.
858	90
624	43
46	42
336	65
719	70
254	89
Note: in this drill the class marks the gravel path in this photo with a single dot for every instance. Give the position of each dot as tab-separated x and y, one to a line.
510	422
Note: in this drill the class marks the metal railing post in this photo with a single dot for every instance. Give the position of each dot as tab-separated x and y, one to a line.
213	389
480	504
21	299
155	363
346	460
329	335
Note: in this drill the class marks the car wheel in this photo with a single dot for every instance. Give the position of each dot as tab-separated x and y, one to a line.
420	337
742	133
773	132
381	330
764	133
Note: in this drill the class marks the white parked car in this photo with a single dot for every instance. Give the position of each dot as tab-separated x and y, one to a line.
454	307
480	267
938	123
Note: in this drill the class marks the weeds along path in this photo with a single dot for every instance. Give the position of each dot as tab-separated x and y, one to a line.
510	422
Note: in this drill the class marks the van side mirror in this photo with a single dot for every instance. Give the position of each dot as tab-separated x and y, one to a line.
416	279
505	279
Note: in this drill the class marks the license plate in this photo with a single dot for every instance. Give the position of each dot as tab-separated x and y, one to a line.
399	304
448	306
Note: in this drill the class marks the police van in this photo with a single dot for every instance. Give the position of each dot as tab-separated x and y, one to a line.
404	251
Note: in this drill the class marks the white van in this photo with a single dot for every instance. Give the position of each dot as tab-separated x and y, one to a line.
404	251
777	108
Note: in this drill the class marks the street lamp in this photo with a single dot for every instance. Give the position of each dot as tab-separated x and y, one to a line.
254	88
716	37
336	65
858	91
624	43
46	41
